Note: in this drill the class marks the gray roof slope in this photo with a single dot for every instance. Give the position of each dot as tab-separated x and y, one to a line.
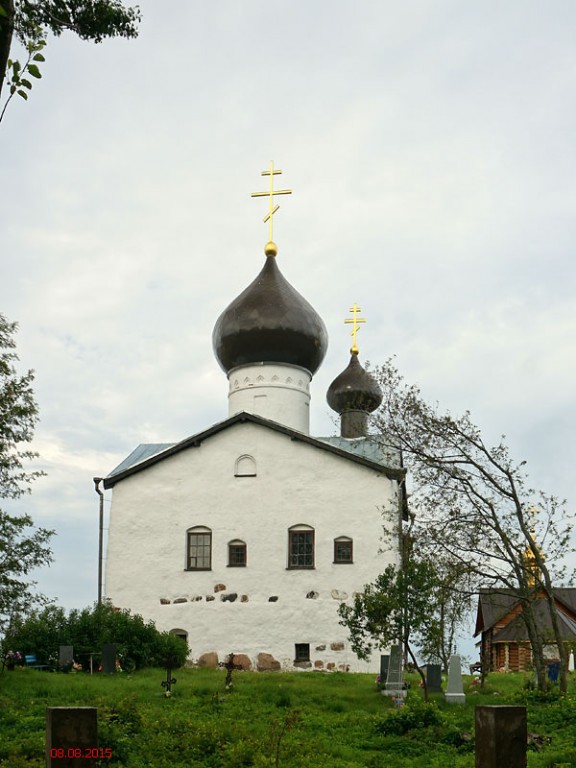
140	453
516	631
368	447
147	454
494	604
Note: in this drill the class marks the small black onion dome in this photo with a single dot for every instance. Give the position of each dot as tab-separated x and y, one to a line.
354	389
270	322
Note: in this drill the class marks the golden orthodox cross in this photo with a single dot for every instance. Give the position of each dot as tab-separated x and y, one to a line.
271	192
355	327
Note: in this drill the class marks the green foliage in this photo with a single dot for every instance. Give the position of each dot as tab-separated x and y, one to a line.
31	22
89	19
22	546
145	730
415	715
398	596
401	605
139	643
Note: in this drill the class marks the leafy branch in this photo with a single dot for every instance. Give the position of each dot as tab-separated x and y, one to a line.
18	82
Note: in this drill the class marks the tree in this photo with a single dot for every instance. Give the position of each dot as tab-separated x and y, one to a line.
138	643
450	599
399	605
473	502
22	546
30	21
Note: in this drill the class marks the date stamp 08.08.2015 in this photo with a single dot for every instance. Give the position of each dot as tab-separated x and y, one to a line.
82	753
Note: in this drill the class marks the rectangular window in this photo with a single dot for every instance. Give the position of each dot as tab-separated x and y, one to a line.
343	550
301	549
302	652
199	551
237	555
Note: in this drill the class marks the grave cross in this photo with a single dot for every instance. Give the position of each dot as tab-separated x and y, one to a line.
229	666
169	682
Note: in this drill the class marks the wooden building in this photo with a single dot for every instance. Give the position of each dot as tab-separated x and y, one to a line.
504	643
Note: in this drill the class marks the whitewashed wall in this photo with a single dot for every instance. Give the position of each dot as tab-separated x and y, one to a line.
295	484
277	392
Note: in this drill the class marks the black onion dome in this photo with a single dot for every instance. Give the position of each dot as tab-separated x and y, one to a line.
354	390
270	322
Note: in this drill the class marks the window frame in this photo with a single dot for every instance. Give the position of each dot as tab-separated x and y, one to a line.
198	530
294	531
301	652
238	544
343	540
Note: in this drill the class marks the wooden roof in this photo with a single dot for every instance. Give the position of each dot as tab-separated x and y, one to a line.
499	610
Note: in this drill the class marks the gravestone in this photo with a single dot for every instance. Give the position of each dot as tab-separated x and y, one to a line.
109	658
71	737
384	660
65	655
394	685
501	736
434	678
455	689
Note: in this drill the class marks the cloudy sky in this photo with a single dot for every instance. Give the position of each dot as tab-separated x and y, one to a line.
431	149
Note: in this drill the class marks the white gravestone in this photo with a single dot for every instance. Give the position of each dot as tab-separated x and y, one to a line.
455	688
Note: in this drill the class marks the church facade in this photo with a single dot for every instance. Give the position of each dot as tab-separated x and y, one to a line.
246	537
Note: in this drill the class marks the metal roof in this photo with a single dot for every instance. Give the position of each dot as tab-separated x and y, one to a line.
369	447
140	453
362	451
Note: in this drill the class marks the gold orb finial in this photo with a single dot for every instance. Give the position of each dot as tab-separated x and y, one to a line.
270	249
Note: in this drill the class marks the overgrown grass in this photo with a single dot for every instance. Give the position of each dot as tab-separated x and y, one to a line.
307	720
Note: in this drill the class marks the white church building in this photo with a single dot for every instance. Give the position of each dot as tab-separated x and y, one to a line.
246	537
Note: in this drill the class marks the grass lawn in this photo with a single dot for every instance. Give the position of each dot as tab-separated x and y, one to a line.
294	720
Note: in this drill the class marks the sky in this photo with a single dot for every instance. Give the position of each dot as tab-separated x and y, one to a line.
430	149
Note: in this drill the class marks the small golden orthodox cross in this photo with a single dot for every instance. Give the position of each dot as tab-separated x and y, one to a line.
271	192
355	327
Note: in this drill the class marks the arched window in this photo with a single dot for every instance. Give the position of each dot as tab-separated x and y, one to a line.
199	549
236	553
301	546
245	466
181	633
343	550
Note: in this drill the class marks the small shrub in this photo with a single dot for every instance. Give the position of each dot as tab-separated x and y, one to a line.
240	753
284	700
415	714
125	713
139	643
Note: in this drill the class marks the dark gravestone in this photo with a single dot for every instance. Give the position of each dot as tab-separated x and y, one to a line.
384	661
109	658
66	655
501	736
71	737
434	678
